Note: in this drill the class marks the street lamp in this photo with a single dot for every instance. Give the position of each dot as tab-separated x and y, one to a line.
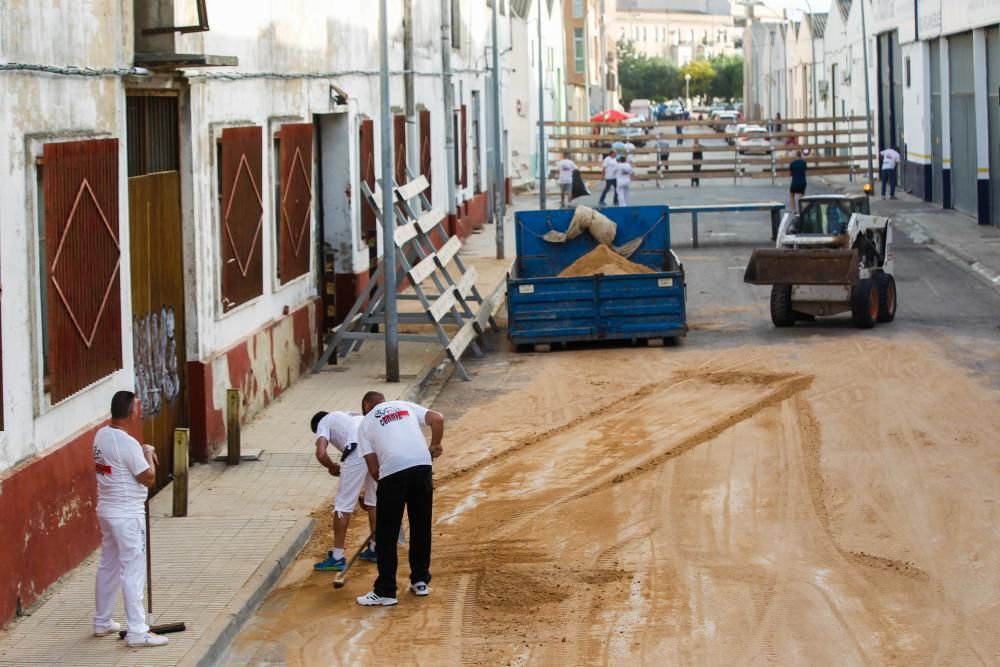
687	91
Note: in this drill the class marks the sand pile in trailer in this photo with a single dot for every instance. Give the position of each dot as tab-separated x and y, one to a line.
603	260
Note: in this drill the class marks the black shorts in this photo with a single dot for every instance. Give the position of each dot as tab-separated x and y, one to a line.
797	189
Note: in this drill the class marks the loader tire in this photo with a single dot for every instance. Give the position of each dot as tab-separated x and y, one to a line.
781	306
864	304
886	297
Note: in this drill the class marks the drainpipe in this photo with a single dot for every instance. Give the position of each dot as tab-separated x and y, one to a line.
449	104
543	158
498	177
388	217
868	95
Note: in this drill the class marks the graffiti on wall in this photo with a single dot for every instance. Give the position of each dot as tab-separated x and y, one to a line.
155	353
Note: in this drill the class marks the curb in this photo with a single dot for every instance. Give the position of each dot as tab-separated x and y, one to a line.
214	642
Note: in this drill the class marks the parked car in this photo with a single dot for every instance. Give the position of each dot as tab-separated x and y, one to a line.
675	111
753	139
726	121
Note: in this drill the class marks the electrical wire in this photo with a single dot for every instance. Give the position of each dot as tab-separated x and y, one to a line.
70	70
239	76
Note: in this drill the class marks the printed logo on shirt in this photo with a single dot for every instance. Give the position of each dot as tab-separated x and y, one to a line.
100	466
390	415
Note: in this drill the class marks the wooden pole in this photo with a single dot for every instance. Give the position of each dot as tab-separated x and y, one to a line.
233	426
181	437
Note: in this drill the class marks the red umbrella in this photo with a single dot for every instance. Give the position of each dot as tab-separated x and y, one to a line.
612	116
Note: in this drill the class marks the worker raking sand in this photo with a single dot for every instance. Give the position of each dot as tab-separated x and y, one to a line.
603	260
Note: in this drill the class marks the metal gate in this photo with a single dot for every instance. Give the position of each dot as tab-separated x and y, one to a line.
963	124
993	91
156	250
937	162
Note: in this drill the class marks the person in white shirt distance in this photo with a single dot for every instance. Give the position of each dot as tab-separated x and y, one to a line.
623	178
565	168
399	457
340	430
610	167
125	470
890	162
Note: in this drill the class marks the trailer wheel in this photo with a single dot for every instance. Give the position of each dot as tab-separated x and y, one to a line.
886	297
781	306
865	304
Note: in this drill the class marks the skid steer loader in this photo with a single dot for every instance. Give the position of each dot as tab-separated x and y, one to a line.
831	257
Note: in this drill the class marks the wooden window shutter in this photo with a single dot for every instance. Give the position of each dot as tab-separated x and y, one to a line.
425	148
295	208
83	259
241	215
399	147
463	146
366	146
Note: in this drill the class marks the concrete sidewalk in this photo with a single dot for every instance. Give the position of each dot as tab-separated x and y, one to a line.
950	233
245	524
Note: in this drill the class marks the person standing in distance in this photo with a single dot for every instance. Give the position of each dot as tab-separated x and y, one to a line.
623	179
340	429
400	459
890	161
797	168
125	470
565	167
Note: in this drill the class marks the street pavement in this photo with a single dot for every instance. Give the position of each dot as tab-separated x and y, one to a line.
246	524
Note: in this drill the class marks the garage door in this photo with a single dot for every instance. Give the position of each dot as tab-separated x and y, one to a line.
963	123
937	178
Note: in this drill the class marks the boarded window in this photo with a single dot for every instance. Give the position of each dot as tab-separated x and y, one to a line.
425	147
399	147
153	137
241	212
463	147
83	260
294	200
369	223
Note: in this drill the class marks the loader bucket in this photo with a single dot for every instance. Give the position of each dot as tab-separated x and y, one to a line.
802	267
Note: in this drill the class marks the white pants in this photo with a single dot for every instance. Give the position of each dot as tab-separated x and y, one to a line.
123	565
622	191
353	476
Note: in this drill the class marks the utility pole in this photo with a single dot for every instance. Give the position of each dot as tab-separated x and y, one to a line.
388	211
543	158
410	103
812	43
868	95
449	104
603	65
498	177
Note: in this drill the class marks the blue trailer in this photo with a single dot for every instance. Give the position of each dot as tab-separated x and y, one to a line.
545	308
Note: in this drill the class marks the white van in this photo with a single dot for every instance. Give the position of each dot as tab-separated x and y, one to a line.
640	108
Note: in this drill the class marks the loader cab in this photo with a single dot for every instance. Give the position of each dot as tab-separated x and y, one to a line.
827	215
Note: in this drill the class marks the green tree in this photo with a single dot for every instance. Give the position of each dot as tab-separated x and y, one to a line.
728	81
702	74
643	77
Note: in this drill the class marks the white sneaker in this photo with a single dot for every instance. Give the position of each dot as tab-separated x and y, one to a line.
114	627
420	589
373	599
148	639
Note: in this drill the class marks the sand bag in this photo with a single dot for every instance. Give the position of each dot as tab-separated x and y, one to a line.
586	219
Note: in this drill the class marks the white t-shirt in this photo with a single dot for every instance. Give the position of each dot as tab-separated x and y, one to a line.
624	173
629	151
118	459
609	168
890	158
392	432
339	428
566	167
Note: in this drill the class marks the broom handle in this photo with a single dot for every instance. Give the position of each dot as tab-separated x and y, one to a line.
149	566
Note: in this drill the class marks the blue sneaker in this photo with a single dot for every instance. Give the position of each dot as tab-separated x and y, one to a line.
330	564
368	555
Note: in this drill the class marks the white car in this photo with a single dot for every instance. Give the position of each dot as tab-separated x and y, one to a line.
726	121
753	139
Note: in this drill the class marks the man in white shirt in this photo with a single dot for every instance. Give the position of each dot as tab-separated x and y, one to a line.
125	470
610	167
890	161
340	429
565	168
623	177
400	459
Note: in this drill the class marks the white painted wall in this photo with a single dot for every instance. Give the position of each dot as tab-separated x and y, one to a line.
36	109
